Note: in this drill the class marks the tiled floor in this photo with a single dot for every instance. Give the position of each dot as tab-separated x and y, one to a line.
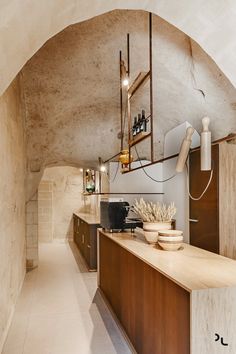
60	311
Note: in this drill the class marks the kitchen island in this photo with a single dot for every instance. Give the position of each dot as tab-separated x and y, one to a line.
169	302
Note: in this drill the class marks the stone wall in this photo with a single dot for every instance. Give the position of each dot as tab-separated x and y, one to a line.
12	206
60	194
45	211
32	232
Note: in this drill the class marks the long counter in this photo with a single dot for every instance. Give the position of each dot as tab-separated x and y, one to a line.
195	289
90	219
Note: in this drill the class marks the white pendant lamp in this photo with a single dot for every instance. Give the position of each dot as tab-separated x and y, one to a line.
205	145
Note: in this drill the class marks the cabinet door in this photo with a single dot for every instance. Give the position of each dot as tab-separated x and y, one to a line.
87	244
79	237
204	213
75	227
93	247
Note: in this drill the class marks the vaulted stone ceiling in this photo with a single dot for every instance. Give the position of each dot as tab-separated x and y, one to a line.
26	25
71	88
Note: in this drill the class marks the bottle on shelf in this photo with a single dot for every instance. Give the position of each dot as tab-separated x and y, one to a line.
134	128
138	126
143	122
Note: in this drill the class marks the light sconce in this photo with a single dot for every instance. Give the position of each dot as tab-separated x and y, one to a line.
103	168
205	147
124	74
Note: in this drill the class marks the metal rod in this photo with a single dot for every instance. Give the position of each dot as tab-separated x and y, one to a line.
128	56
119	193
121	105
100	175
128	100
227	138
152	163
151	84
111	158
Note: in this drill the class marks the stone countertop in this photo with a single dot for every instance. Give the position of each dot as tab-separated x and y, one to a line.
190	267
90	219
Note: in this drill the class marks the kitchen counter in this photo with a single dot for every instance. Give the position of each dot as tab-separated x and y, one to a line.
190	267
89	218
169	302
85	237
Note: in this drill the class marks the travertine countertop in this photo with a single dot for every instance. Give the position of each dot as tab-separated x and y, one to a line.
192	268
89	218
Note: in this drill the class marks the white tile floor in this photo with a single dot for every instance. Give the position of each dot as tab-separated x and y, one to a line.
60	312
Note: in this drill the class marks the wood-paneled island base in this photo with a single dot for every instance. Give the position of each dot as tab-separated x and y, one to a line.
169	302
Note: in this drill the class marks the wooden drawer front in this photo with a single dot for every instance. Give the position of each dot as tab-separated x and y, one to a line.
154	311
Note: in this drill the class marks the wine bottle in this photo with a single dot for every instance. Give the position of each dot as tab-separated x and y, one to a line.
144	122
134	127
138	127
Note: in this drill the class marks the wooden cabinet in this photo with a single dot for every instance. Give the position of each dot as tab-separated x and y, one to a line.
85	237
153	310
169	302
213	217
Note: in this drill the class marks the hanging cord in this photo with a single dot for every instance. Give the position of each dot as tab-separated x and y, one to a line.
153	179
207	186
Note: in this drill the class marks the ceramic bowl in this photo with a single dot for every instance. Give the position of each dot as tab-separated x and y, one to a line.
151	230
170	243
151	237
170	232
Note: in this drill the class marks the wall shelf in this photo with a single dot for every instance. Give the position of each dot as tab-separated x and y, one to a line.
120	193
138	138
139	81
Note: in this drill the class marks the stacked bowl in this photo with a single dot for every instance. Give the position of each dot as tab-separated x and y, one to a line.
170	240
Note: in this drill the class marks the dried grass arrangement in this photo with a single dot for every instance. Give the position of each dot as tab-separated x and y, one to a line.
154	212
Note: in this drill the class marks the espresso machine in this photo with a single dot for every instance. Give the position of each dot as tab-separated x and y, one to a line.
114	216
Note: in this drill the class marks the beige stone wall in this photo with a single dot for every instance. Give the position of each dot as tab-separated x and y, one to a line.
12	206
45	211
59	196
32	232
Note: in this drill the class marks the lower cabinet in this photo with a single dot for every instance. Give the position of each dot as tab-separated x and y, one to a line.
85	237
153	310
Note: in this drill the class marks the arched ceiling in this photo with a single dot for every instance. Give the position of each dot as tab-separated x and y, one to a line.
26	25
71	89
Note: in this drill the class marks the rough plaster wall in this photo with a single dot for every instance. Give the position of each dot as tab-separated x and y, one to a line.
12	206
45	211
72	88
32	232
212	24
67	198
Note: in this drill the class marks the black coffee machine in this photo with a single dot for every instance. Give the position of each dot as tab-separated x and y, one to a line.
113	217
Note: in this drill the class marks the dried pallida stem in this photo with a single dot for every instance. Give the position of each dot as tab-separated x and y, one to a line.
151	212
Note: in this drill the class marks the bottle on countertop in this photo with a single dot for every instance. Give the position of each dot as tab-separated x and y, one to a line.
134	128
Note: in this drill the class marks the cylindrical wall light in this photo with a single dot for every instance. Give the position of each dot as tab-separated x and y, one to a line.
205	145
